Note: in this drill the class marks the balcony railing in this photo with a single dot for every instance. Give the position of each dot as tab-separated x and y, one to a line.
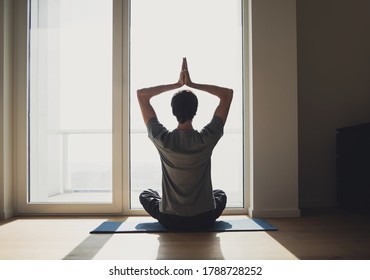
96	177
80	176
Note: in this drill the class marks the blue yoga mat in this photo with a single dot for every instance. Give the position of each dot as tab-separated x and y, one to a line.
243	224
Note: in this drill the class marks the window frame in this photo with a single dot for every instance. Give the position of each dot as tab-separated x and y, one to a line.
23	206
121	132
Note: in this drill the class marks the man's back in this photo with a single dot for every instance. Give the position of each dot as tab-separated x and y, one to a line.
186	166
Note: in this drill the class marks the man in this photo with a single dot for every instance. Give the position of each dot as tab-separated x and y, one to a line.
188	201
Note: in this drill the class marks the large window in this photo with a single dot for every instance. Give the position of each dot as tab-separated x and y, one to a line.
70	101
210	34
82	146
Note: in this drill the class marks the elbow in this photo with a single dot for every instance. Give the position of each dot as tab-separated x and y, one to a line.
230	94
227	96
140	94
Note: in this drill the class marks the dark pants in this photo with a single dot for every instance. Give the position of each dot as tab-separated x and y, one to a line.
150	200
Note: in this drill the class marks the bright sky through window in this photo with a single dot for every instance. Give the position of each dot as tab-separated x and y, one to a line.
209	34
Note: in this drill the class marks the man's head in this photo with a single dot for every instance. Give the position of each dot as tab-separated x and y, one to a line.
184	105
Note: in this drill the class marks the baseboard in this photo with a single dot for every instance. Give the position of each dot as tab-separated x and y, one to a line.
317	203
274	213
6	215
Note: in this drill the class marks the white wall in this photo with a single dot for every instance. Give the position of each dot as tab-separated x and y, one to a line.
6	206
275	124
334	87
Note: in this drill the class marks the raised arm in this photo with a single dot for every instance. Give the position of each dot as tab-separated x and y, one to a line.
224	94
144	95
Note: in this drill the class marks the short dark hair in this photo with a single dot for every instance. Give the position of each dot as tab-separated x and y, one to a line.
184	105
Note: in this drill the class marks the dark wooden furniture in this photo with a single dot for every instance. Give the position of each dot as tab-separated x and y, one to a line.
353	168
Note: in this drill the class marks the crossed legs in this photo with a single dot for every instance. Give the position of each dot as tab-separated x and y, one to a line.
150	200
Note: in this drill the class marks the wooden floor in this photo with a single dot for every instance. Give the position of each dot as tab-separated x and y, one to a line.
318	234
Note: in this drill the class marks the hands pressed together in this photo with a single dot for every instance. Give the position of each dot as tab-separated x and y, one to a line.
145	94
184	78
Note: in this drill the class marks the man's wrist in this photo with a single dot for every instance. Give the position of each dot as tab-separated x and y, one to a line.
178	85
191	84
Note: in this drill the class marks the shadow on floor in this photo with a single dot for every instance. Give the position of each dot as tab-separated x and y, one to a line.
88	248
92	244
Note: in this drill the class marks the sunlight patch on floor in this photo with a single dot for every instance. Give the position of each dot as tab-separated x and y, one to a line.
253	245
138	246
37	239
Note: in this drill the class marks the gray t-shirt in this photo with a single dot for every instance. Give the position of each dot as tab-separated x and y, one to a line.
186	166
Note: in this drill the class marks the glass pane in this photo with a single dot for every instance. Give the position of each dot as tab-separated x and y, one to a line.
70	101
209	34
